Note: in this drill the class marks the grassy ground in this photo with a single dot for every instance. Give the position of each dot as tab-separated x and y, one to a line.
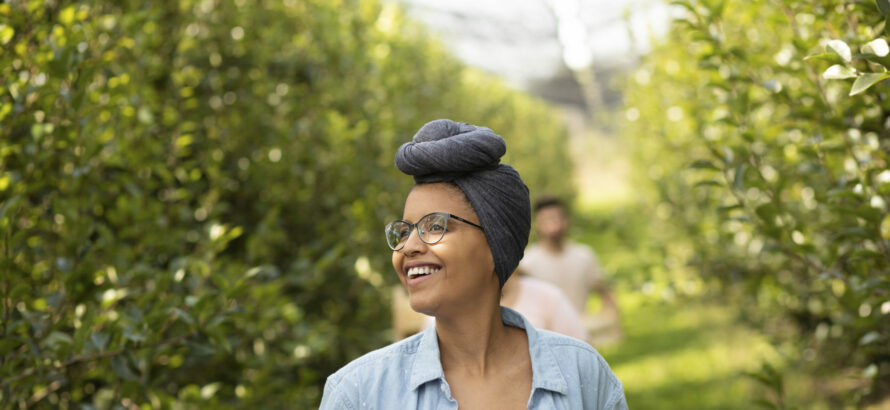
684	356
676	353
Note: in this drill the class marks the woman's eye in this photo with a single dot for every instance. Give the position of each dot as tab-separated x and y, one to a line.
435	227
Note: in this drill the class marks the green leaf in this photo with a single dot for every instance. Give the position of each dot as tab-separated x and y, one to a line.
57	339
867	80
122	367
200	349
708	182
220	281
209	390
862	254
18	291
66	16
6	205
99	340
826	56
704	164
7	345
877	47
220	340
841	49
839	72
767	212
187	318
884	61
132	334
739	178
4	110
685	4
869	337
728	155
6	34
843	192
854	232
887	25
870	372
729	208
765	379
883	7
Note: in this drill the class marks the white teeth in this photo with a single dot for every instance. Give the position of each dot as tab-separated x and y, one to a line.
421	271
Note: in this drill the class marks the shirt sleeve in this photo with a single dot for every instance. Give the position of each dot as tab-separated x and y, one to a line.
334	397
616	400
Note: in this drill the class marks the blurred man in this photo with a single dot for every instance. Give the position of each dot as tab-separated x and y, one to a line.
571	266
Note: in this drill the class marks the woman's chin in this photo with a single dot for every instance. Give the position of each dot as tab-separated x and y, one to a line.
422	305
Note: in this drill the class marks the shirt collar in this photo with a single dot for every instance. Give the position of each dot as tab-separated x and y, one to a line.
426	365
546	373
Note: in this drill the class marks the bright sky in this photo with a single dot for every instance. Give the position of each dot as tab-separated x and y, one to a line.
523	40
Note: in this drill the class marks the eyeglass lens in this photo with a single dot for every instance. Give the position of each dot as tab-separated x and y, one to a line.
431	229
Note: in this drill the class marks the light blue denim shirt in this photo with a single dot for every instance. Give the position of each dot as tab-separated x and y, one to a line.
566	374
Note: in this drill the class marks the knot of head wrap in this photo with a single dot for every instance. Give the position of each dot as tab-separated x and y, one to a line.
469	157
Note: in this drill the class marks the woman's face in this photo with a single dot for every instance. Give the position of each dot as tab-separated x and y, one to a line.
462	268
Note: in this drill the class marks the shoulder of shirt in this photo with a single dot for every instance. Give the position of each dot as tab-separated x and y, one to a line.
554	339
580	351
384	355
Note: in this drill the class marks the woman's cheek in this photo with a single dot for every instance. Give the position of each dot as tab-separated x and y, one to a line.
397	263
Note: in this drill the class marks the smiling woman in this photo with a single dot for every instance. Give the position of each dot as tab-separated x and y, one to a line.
464	269
471	219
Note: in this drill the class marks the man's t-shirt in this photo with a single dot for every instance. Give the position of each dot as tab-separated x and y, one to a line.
575	270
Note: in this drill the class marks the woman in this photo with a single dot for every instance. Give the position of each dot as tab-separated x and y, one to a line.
463	231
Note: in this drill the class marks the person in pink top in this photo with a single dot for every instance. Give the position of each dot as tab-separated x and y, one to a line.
542	303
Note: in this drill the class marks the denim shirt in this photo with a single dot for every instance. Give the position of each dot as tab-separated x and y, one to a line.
566	374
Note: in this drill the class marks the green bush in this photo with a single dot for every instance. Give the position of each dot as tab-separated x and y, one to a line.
192	193
771	174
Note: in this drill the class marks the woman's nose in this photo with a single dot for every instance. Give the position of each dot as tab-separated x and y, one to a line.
413	245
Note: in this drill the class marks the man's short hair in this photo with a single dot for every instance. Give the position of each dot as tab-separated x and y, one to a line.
546	201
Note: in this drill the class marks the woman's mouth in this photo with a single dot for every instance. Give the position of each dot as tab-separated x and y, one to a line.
419	271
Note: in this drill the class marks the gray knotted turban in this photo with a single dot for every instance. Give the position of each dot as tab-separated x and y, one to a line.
469	157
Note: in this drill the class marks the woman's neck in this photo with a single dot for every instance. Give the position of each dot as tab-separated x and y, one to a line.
510	291
473	343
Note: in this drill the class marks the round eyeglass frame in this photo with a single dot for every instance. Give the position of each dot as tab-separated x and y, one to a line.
416	227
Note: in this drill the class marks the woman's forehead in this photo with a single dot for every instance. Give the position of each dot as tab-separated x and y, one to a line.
437	197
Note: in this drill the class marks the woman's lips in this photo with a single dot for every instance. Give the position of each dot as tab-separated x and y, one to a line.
420	273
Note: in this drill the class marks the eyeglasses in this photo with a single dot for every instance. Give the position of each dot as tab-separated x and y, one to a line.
431	228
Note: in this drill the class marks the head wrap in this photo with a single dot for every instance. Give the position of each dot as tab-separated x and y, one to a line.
469	156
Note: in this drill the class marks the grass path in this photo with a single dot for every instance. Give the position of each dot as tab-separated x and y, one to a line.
684	356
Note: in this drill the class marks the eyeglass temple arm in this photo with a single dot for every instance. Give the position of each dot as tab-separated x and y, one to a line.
466	221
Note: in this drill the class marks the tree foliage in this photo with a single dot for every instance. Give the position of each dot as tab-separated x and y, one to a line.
192	193
762	127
